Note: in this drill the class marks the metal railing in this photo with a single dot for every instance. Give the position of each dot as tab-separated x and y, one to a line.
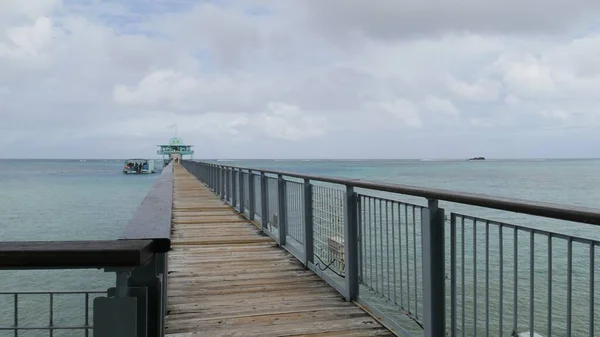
423	270
135	306
51	325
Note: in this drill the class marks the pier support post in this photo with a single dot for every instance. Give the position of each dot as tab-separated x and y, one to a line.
351	244
281	202
434	277
252	195
308	224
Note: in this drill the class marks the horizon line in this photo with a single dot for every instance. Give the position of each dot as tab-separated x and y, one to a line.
330	159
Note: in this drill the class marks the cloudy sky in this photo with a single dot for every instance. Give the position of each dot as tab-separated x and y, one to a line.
300	78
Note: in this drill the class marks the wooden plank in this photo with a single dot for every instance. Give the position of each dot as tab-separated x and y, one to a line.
227	278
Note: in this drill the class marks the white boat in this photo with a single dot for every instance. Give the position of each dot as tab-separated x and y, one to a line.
139	166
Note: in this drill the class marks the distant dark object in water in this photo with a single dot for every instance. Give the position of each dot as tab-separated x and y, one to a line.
477	158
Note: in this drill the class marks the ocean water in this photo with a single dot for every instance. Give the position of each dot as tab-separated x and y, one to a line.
61	200
87	200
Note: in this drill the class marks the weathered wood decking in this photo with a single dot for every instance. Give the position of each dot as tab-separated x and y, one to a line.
227	279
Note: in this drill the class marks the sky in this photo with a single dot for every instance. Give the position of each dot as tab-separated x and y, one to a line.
300	78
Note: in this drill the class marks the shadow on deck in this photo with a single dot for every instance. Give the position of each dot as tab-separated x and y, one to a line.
228	279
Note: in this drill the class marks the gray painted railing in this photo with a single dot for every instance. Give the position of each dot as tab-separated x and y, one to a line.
421	269
136	305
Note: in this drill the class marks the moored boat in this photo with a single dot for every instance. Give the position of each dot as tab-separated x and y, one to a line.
139	166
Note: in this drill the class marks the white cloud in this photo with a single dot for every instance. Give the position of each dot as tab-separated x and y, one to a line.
288	122
394	114
440	105
265	77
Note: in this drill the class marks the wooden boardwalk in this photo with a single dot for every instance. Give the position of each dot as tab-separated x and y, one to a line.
228	279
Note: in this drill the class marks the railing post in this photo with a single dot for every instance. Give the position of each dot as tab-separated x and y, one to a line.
217	179
308	224
118	314
222	178
214	179
281	203
151	280
351	244
209	176
136	307
229	185
251	194
434	277
234	182
242	190
264	217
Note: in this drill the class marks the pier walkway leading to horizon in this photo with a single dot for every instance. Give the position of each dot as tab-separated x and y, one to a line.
219	250
226	278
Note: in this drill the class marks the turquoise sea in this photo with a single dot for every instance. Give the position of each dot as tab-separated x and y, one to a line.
92	199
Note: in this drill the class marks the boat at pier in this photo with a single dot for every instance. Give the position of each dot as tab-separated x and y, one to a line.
139	166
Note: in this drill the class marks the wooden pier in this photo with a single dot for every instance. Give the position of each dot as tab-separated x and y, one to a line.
226	278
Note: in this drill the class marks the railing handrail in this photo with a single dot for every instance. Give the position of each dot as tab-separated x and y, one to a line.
75	254
549	210
152	220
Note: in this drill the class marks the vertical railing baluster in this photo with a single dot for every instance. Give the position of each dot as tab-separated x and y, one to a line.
487	278
281	203
308	223
434	280
592	290
462	276
549	305
474	277
51	315
515	279
569	286
501	286
87	314
394	254
16	314
381	291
